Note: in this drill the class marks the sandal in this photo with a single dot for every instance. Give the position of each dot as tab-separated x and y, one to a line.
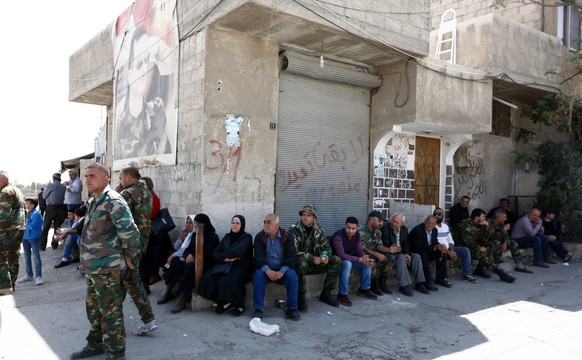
220	309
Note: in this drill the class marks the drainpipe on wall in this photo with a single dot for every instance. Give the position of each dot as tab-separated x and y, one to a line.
543	22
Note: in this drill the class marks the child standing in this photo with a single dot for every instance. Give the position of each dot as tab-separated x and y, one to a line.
31	242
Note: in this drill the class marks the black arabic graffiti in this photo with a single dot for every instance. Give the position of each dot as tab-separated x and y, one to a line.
471	181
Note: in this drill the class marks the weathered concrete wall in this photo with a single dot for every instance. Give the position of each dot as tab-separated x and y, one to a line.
528	13
497	45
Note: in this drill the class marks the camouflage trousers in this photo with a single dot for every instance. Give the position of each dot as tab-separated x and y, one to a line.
485	259
381	268
9	258
134	286
104	305
513	247
332	270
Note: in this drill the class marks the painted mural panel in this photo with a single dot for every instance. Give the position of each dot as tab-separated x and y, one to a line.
145	46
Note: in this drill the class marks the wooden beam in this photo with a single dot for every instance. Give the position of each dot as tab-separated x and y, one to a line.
199	253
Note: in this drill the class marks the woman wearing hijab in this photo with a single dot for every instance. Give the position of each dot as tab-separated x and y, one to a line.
176	261
188	261
226	282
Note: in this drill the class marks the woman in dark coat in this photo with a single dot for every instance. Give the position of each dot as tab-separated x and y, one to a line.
187	281
225	283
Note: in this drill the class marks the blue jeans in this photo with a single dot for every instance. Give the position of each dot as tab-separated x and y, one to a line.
347	267
261	280
32	245
71	240
465	255
539	243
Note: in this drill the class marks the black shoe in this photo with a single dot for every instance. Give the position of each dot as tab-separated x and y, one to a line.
326	297
469	278
376	287
540	264
524	270
480	271
75	260
167	295
292	315
420	287
220	309
63	264
444	282
549	261
385	289
301	302
258	313
238	311
55	245
430	286
405	290
504	276
86	352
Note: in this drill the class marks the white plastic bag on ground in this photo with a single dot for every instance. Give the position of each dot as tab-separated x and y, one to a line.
262	328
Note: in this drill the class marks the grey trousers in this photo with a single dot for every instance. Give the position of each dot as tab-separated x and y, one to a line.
402	273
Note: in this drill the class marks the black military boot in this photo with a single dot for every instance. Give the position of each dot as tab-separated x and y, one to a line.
301	303
503	275
326	297
180	304
376	287
383	286
167	295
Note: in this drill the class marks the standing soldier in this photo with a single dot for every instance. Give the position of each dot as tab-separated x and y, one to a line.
315	257
139	200
109	249
11	232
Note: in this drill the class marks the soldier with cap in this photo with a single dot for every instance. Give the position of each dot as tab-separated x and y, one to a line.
503	242
139	200
371	236
56	211
109	248
315	257
11	232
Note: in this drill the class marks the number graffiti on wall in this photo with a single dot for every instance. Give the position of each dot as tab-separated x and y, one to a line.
222	157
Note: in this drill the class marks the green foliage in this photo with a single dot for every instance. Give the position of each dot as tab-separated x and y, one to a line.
560	184
560	112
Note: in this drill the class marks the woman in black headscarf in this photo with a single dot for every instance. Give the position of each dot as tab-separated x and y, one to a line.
188	279
226	282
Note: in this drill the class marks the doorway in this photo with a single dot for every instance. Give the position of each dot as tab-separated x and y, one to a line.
427	171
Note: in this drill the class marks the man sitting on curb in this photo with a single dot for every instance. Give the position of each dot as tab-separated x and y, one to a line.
372	240
315	256
502	241
528	232
395	238
453	252
475	233
72	237
348	246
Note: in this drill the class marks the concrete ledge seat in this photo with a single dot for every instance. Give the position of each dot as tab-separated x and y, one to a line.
315	281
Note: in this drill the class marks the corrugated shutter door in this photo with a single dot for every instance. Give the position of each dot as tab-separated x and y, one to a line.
322	151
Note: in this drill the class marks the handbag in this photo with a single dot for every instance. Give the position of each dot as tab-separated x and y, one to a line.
163	222
223	268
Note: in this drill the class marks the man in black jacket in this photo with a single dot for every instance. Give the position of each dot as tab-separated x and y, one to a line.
275	261
424	241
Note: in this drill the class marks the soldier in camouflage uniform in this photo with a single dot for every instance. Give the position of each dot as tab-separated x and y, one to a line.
11	232
314	257
109	248
476	234
371	236
139	199
503	242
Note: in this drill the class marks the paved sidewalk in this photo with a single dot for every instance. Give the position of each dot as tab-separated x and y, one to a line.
537	317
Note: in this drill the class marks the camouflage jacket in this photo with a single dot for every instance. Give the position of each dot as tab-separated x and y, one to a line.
310	245
499	236
11	213
109	234
473	235
370	240
139	199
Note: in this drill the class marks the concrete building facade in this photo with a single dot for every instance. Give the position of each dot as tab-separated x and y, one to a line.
341	104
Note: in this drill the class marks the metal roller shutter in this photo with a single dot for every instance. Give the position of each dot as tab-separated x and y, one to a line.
322	150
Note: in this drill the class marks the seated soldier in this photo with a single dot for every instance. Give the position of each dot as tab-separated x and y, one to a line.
502	241
372	240
475	233
315	256
348	246
395	239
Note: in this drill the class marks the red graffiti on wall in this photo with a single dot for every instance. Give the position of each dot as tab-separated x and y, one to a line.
221	157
